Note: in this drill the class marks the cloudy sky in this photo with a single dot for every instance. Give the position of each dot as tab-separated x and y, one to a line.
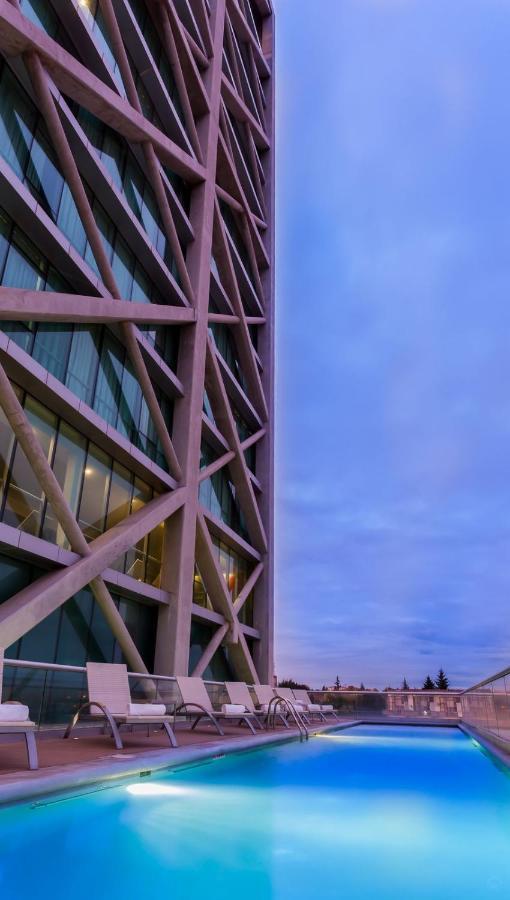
393	348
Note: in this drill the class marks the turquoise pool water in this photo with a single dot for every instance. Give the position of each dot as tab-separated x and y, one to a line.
372	812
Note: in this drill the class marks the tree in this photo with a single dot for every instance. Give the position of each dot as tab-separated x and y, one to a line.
405	686
428	684
290	683
362	687
337	683
442	682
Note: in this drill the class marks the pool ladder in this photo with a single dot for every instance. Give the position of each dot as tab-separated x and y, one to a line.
272	710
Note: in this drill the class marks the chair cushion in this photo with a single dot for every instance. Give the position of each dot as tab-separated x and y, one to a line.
146	709
313	707
327	707
13	712
233	709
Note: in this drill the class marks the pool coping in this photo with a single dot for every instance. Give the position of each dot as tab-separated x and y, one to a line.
26	785
500	750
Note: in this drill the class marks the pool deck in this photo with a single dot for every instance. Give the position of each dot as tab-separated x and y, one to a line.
91	758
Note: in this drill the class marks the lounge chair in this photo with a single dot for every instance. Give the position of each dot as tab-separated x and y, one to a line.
14	719
238	693
321	709
265	694
110	698
196	702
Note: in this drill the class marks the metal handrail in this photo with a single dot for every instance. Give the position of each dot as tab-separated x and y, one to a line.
57	667
278	700
489	680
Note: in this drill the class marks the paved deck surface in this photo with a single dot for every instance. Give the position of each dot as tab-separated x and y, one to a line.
72	764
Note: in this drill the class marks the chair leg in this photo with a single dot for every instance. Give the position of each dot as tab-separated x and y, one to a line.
216	724
171	735
116	735
249	724
33	762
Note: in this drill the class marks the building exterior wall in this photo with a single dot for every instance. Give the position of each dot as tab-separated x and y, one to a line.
136	342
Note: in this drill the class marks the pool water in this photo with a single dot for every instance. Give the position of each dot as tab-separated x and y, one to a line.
370	812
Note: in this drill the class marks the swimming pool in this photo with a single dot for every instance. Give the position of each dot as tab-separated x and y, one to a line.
371	812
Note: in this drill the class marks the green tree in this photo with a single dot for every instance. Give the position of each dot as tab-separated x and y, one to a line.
337	683
442	682
362	687
290	683
405	686
428	684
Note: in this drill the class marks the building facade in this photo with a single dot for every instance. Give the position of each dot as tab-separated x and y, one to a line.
136	350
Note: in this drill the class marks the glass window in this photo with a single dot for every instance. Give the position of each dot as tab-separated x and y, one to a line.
123	263
17	123
24	497
24	267
119	500
68	466
141	291
83	362
113	155
41	14
101	646
94	493
70	224
129	403
43	175
74	632
109	380
155	555
6	445
51	347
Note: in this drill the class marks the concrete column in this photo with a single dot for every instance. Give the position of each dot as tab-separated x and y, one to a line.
172	648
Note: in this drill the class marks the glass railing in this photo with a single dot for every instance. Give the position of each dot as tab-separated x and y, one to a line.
403	704
53	693
486	706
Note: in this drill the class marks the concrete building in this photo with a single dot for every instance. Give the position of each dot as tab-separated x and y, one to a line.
136	350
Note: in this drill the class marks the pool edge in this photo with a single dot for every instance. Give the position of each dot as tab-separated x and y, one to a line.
489	744
29	785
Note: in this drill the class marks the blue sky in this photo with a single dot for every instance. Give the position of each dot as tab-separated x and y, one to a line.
393	362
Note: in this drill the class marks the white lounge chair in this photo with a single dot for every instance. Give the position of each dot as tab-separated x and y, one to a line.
196	702
239	693
110	698
14	719
265	694
288	695
321	709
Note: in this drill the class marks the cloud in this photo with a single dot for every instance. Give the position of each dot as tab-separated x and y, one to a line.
393	410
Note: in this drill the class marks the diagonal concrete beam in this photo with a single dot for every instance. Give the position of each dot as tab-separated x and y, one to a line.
210	650
18	35
34	603
40	81
248	587
151	159
225	420
216	465
221	600
211	573
17	418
